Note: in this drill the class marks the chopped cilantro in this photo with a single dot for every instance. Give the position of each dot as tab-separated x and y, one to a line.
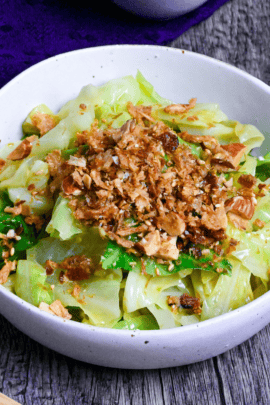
116	256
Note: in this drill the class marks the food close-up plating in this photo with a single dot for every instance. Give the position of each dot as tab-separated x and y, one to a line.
125	210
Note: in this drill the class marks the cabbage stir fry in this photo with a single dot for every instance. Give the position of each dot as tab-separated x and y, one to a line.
125	210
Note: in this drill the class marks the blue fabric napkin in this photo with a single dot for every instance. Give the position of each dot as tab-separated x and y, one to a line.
32	30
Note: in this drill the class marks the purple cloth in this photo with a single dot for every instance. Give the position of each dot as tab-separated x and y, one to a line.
31	31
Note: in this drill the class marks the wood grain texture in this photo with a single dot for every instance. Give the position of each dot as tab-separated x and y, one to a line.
31	374
238	33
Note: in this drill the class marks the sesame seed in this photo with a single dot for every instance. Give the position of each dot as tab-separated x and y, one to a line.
115	159
11	233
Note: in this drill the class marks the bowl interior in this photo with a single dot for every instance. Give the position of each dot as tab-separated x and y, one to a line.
177	75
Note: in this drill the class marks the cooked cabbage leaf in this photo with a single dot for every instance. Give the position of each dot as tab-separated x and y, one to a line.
63	225
30	283
29	128
98	296
229	293
253	250
136	320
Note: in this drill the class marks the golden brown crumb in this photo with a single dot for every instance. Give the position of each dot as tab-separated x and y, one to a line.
35	220
179	109
16	210
44	122
125	175
242	206
238	221
193	118
247	180
50	266
259	224
186	302
76	291
219	270
31	187
76	268
56	308
2	164
236	150
23	149
5	271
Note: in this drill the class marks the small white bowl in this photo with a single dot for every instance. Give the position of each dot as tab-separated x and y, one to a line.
177	75
159	9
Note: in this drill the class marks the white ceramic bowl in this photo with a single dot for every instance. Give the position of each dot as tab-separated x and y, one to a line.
178	75
159	9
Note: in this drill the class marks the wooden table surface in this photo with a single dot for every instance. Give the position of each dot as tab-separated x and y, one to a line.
238	33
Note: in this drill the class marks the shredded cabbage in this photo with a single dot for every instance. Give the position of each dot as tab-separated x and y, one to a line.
62	223
120	292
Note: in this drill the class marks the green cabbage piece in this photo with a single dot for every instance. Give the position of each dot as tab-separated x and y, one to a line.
29	128
207	114
164	316
63	225
10	283
110	100
204	284
249	166
262	209
39	204
167	318
137	320
98	297
30	283
115	93
212	121
249	135
106	102
258	286
88	243
9	171
148	94
229	293
103	102
252	250
31	171
7	149
142	291
20	176
34	172
61	136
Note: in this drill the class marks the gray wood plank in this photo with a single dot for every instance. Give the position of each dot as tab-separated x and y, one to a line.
33	374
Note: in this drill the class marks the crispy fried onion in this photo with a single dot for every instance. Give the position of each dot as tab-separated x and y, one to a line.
140	180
